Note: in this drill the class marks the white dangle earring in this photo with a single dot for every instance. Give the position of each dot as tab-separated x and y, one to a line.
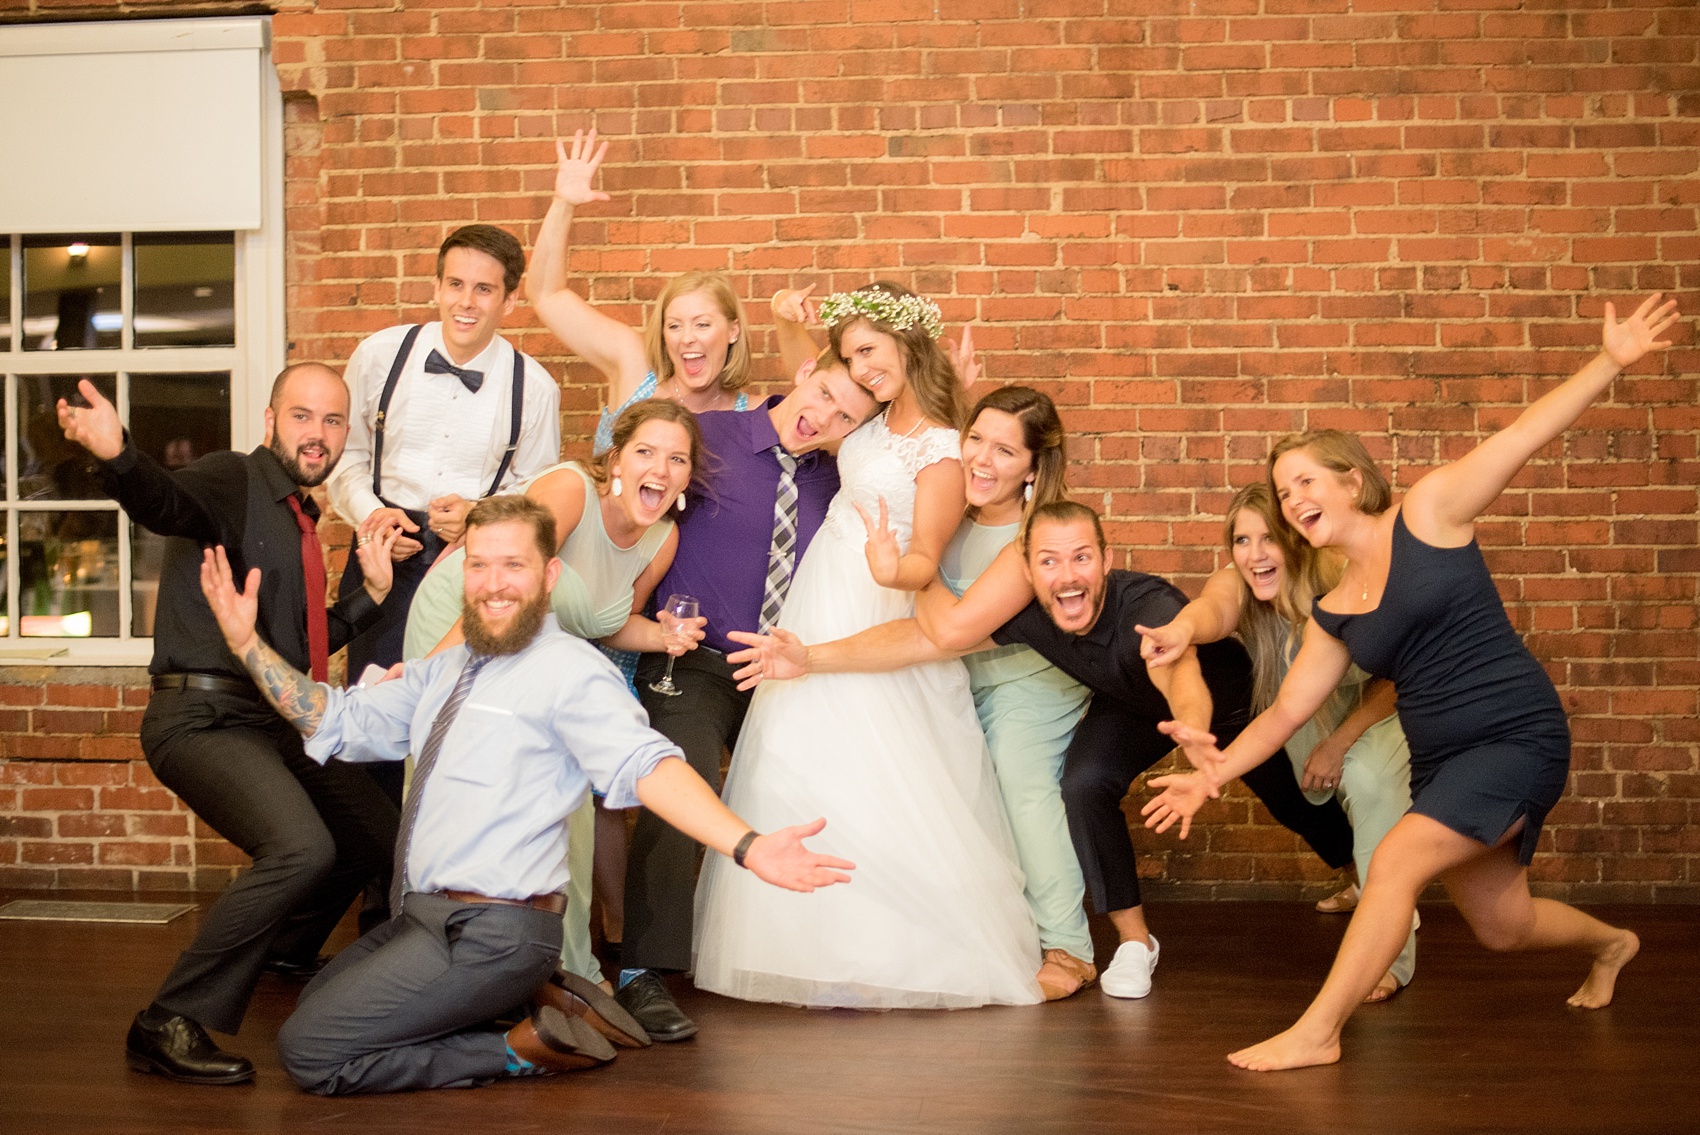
681	502
1027	492
615	487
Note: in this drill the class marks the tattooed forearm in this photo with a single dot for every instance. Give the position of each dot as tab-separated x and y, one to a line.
297	697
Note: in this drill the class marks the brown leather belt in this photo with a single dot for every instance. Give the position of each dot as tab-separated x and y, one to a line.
205	682
554	902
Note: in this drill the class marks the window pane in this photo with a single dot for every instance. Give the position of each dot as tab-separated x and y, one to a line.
5	293
175	418
49	466
147	554
71	297
68	574
185	289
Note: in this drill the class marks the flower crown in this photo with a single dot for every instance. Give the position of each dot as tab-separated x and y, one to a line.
899	313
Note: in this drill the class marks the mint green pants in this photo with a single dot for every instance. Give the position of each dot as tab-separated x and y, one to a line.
575	923
1028	722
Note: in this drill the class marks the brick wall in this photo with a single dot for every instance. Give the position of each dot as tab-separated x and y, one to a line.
1195	224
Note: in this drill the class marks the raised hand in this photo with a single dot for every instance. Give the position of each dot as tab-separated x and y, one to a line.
1183	795
1160	646
95	427
575	171
1628	341
793	305
776	656
963	358
376	555
781	859
882	550
236	611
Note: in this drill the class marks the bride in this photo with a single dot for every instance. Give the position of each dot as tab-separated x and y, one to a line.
896	761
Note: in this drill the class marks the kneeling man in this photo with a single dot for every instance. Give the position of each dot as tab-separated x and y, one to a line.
510	731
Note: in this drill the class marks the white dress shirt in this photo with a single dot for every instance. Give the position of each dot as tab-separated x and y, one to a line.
439	437
537	730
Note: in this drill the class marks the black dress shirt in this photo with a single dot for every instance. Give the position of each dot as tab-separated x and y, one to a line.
240	501
1106	658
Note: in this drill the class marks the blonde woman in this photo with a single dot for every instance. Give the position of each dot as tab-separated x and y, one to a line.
1353	747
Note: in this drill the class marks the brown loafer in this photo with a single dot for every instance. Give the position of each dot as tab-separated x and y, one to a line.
1064	975
1343	903
580	997
553	1041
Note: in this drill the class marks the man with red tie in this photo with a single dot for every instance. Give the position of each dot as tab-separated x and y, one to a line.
315	834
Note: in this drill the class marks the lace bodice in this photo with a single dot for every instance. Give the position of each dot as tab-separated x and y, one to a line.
875	463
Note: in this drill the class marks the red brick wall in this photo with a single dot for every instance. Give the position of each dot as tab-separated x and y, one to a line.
1196	224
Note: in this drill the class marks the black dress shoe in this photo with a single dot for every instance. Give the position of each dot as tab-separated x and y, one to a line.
179	1049
300	972
646	998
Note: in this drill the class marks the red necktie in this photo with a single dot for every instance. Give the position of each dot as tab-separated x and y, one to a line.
313	573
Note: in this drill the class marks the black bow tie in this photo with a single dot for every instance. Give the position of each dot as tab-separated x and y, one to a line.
435	363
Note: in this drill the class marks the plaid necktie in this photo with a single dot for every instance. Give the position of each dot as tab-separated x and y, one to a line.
782	553
422	771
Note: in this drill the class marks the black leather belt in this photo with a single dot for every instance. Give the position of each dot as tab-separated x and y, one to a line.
205	682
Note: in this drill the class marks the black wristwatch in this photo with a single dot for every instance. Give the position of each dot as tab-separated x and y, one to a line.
743	847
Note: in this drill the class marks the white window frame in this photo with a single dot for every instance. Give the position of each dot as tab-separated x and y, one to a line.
257	357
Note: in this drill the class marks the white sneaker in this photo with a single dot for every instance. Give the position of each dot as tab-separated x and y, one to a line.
1129	974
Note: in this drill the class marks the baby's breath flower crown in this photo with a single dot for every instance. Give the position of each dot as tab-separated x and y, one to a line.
900	313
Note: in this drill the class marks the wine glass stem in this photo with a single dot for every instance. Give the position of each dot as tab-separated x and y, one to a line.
667	678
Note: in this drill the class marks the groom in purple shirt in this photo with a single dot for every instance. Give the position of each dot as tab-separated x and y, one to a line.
729	541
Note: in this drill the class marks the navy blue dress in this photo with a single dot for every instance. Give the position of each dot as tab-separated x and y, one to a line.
1489	739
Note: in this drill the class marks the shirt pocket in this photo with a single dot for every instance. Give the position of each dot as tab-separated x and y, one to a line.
480	732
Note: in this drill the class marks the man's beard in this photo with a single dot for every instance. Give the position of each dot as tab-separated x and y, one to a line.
522	628
293	467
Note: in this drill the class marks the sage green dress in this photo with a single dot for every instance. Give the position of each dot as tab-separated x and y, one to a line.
1375	784
1028	710
591	599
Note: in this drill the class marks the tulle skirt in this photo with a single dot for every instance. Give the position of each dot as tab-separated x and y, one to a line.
896	763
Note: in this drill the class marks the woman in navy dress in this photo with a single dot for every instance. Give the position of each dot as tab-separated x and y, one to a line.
1490	746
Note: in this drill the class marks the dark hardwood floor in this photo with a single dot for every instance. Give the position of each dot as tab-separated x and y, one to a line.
1478	1043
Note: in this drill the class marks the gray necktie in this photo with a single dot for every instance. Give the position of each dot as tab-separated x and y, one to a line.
422	770
782	552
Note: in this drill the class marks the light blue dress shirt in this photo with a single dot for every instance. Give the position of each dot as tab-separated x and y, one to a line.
537	731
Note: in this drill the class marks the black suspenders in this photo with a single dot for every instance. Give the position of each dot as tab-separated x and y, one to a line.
518	389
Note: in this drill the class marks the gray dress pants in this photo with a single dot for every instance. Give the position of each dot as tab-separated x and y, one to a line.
411	1004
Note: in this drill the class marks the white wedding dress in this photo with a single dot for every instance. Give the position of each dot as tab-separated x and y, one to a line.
933	916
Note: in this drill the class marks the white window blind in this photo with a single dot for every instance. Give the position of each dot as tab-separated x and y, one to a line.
139	126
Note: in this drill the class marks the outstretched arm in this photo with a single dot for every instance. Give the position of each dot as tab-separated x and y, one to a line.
1441	508
992	600
614	349
1209	618
794	312
674	791
781	655
296	697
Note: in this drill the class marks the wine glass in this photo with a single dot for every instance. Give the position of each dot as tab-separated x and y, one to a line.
677	607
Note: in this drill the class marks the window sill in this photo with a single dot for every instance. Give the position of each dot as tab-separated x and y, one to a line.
49	652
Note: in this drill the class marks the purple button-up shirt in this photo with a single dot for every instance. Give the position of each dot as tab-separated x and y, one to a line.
725	536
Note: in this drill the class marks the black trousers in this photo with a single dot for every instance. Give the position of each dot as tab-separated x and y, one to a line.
409	1005
661	865
1111	747
315	835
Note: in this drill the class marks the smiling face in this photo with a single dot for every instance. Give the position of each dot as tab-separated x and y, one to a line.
307	424
1257	555
1069	573
823	407
472	301
507	587
875	360
697	336
996	461
1316	500
654	467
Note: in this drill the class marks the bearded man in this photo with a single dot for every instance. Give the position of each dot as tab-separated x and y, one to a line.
510	730
314	834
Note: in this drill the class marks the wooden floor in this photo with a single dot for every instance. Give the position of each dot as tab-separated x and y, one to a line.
1478	1043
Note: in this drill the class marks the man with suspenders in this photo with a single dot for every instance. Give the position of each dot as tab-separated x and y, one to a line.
443	414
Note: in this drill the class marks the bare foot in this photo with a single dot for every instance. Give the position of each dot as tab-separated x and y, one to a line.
1602	979
1385	988
1285	1050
